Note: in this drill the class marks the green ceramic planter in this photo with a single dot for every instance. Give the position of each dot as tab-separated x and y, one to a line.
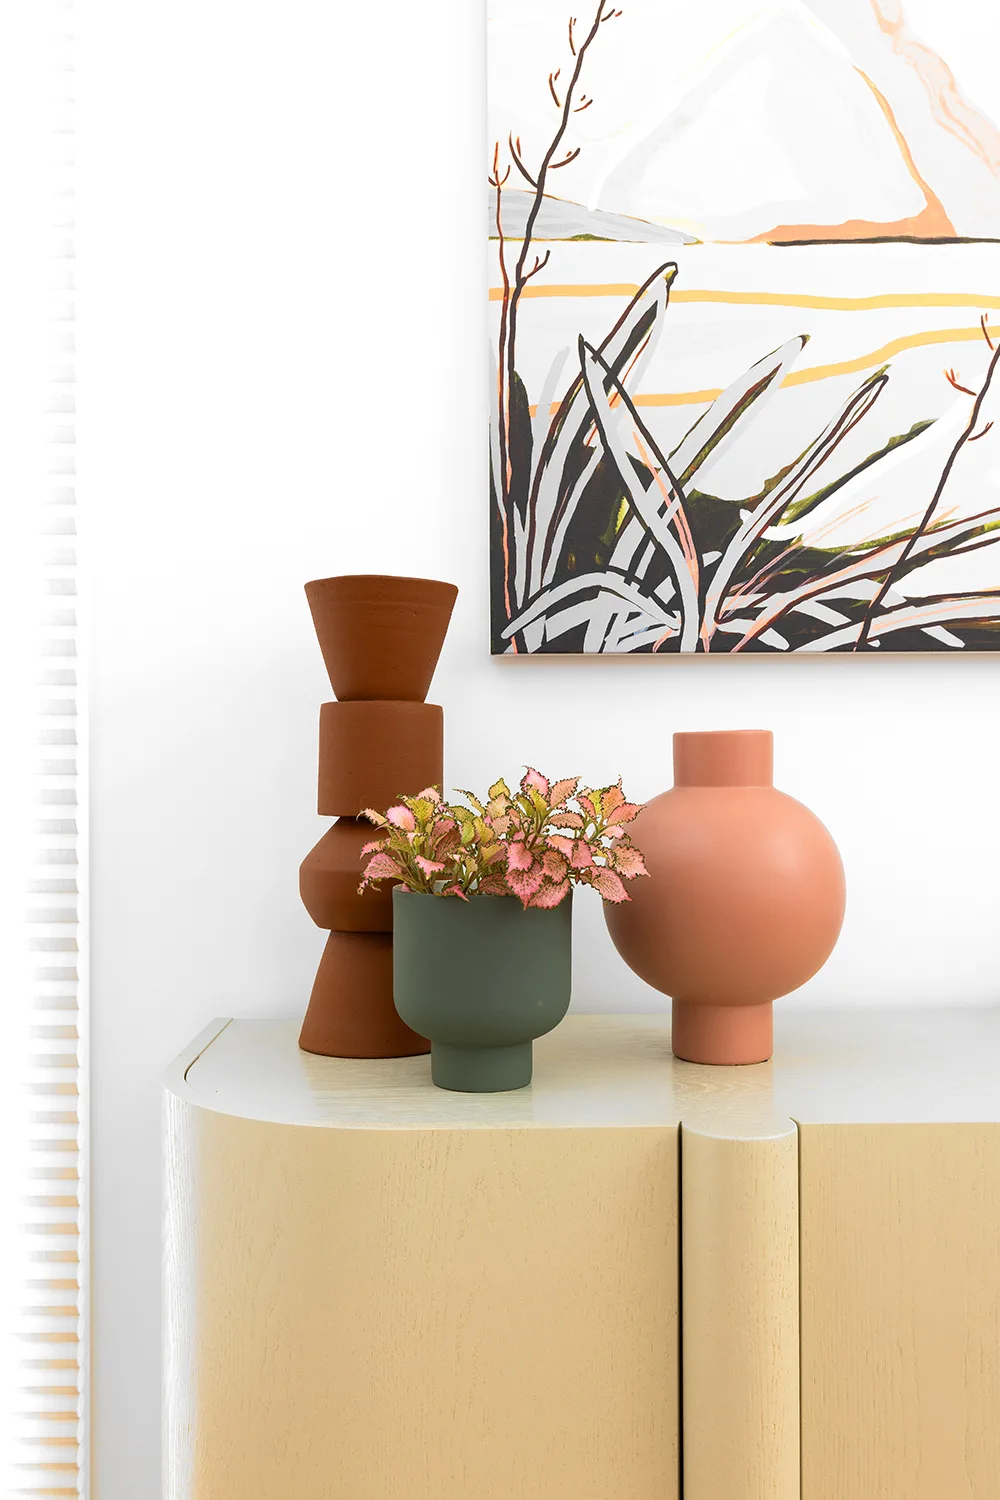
482	979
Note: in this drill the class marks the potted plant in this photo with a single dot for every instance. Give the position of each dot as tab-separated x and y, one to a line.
482	913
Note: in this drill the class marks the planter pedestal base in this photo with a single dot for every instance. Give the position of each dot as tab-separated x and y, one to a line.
481	1070
722	1033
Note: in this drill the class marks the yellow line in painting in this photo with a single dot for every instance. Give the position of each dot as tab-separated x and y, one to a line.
823	372
840	304
657	398
879	356
665	398
675	398
572	289
764	299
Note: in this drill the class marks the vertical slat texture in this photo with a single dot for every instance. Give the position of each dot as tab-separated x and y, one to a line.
740	1312
421	1314
901	1312
42	1421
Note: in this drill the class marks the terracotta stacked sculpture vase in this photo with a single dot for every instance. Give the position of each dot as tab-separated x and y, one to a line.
744	902
380	638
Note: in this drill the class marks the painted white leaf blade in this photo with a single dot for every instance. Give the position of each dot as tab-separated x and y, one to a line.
770	506
550	465
557	593
867	506
727	419
645	501
915	616
868	565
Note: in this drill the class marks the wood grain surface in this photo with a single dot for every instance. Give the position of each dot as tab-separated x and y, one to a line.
901	1311
422	1314
377	1290
740	1307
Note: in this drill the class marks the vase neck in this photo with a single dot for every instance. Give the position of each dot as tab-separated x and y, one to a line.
728	757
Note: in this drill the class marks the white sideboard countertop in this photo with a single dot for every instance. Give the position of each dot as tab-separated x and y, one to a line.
829	1067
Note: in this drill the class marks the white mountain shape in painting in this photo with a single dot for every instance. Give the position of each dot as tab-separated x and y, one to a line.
954	146
780	135
558	219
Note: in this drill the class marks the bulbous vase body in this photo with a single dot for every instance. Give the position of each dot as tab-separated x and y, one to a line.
744	901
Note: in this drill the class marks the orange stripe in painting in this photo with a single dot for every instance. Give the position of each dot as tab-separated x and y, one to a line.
765	299
930	223
822	372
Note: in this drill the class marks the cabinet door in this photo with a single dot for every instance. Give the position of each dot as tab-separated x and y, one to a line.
900	1276
423	1314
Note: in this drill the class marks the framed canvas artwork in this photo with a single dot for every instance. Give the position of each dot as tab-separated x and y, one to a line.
745	325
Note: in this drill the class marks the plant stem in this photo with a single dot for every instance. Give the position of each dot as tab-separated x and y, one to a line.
503	478
521	277
907	552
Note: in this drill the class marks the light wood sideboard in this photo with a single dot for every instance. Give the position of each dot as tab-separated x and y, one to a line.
783	1280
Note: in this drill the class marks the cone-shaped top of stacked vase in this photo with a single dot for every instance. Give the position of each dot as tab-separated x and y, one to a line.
380	636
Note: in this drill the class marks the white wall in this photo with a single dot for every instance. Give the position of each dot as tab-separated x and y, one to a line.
283	377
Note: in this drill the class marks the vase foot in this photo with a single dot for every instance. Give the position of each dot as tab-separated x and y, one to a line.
722	1034
481	1070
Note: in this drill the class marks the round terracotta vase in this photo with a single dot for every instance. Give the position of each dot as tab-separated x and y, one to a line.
744	902
380	636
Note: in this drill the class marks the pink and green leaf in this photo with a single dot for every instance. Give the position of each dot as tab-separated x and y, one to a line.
566	820
533	780
608	886
381	867
550	895
519	856
623	813
563	790
524	883
561	844
628	861
581	857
